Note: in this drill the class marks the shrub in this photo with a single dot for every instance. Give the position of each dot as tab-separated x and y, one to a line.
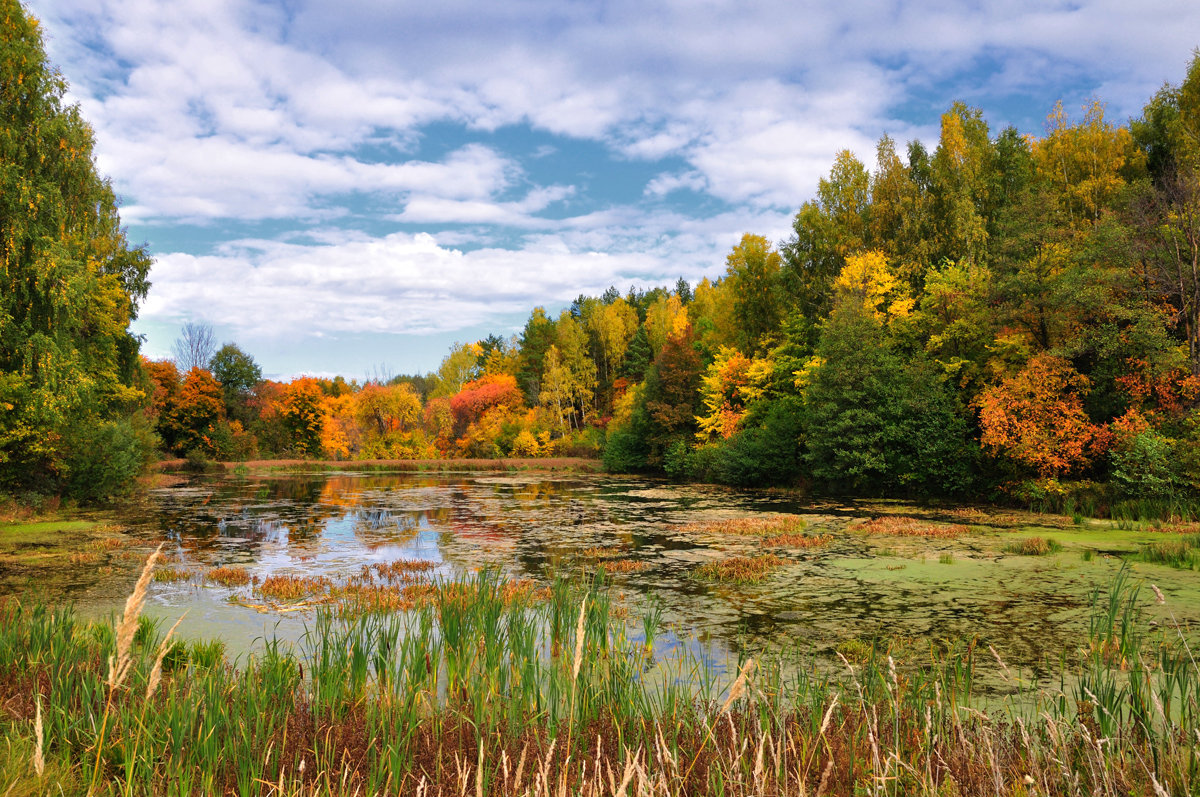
1142	468
104	458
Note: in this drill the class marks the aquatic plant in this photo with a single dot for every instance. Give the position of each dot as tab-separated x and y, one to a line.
740	569
171	574
292	588
760	526
229	576
1182	552
909	527
797	541
1033	546
615	566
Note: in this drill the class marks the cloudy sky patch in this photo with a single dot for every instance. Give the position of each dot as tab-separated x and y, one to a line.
345	187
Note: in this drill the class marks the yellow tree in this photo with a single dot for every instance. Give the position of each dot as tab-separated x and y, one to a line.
1084	162
867	281
730	384
960	180
613	326
664	318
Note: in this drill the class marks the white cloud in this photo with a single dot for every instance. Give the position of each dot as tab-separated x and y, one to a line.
314	114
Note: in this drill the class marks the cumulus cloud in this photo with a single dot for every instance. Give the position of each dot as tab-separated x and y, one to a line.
320	119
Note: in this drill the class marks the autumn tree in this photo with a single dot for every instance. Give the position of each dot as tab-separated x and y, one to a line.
458	368
671	395
301	412
477	398
730	384
753	270
190	422
1036	418
613	325
824	232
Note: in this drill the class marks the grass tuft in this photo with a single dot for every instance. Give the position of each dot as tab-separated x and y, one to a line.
741	569
1033	546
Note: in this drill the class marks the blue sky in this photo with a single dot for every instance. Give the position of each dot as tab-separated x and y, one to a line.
350	187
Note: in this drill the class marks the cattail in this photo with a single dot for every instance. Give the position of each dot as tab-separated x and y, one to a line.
39	763
739	685
118	664
156	670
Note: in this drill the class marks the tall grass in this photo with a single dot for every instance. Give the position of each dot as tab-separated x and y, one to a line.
482	691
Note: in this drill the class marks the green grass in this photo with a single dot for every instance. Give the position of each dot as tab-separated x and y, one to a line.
1182	552
449	697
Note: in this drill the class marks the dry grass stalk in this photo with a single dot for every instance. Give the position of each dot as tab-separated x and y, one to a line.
156	670
39	762
739	685
118	664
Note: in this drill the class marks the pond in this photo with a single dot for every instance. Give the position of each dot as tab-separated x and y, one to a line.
864	582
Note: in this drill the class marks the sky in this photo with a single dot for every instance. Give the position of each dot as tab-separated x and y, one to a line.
351	187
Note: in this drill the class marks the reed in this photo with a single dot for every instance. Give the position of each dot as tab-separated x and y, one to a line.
481	689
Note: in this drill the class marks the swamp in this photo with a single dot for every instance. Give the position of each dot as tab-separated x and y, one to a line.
438	628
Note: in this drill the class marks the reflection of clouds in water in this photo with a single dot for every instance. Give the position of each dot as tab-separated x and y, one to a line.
529	525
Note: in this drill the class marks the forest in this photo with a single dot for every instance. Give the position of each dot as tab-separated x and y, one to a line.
998	315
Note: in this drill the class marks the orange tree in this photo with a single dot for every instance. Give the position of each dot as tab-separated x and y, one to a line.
190	421
302	416
1036	418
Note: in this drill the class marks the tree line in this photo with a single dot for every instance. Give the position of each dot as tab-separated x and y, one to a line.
998	313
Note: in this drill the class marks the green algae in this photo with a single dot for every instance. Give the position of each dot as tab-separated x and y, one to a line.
893	590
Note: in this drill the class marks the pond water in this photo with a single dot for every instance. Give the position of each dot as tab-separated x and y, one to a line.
909	591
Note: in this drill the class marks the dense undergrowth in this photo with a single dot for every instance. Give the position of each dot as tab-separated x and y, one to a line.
481	692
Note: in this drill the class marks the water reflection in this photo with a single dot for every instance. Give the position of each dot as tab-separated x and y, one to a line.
530	526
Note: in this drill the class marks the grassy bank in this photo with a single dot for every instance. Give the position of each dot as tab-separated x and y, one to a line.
486	690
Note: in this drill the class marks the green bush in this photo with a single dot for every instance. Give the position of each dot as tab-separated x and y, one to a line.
764	455
1143	467
675	459
103	459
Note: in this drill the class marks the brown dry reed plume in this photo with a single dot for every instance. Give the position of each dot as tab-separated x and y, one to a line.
39	762
119	662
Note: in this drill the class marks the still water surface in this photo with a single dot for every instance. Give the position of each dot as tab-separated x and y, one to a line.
533	525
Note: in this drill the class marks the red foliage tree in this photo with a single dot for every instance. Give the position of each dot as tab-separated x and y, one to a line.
1036	418
484	394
